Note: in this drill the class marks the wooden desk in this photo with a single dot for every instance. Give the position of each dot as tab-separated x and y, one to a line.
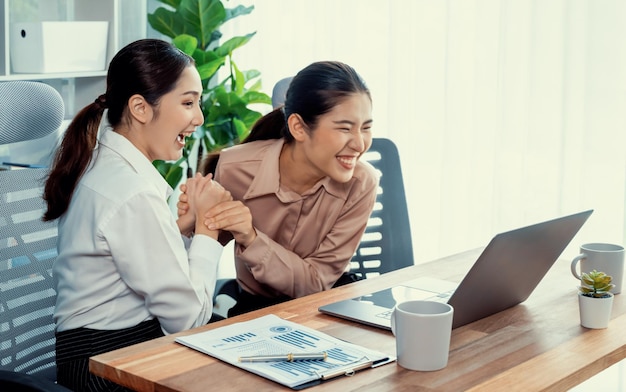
538	345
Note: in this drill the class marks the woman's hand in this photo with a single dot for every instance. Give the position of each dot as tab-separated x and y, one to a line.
186	222
232	216
183	201
200	195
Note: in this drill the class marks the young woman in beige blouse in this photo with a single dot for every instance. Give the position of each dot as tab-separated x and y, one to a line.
301	197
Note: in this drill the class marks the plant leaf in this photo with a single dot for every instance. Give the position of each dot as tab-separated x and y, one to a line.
251	74
186	43
257	97
229	46
172	172
173	3
207	70
174	176
202	17
256	86
239	80
237	11
241	128
167	22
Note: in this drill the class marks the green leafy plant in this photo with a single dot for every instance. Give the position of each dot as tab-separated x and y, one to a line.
194	26
595	284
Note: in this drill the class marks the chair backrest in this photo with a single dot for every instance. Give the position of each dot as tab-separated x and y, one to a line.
27	293
28	110
280	91
386	244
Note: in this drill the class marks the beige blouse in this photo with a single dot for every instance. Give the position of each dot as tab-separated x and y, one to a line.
304	242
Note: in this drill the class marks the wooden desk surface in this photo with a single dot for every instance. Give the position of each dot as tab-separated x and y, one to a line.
537	345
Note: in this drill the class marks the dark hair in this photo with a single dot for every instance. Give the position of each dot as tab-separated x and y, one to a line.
314	91
148	67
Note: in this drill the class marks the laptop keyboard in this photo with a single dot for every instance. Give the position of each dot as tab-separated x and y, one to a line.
441	297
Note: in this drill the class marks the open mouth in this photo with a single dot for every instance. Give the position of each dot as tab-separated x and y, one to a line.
347	162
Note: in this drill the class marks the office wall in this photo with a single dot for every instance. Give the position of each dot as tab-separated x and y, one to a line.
506	112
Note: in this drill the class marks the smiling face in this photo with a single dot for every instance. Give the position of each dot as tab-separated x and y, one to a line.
332	149
174	118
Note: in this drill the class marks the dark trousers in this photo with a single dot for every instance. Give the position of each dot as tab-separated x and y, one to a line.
74	347
247	302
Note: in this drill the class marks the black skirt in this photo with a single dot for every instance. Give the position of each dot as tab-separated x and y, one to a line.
74	347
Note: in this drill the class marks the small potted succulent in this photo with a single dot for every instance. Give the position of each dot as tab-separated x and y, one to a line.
595	299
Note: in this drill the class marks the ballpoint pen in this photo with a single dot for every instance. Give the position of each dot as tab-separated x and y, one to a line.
345	370
285	357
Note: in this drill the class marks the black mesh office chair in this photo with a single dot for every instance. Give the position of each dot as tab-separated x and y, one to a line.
386	244
28	110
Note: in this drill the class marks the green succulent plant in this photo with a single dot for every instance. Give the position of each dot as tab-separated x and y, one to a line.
595	284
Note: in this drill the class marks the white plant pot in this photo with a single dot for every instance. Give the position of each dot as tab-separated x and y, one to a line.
595	313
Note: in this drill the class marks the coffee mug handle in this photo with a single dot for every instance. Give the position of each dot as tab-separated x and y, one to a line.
573	266
393	322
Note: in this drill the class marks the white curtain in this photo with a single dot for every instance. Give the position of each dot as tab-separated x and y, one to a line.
506	112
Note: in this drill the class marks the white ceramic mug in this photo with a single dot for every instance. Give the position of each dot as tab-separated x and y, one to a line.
423	330
608	258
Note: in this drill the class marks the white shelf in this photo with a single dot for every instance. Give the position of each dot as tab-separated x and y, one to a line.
127	22
48	76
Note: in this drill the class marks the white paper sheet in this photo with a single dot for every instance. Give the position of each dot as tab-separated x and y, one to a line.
272	335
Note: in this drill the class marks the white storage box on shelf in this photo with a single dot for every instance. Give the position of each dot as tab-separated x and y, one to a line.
50	47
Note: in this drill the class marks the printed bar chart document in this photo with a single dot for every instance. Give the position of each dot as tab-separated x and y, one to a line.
272	336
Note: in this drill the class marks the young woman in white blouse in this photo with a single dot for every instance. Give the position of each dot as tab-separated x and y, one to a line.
124	272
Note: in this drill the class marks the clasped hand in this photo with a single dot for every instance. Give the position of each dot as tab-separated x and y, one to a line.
209	204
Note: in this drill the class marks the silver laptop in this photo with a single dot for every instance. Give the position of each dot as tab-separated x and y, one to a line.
505	274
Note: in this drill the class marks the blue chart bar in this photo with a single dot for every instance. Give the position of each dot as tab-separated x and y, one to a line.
340	355
297	368
298	339
244	337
